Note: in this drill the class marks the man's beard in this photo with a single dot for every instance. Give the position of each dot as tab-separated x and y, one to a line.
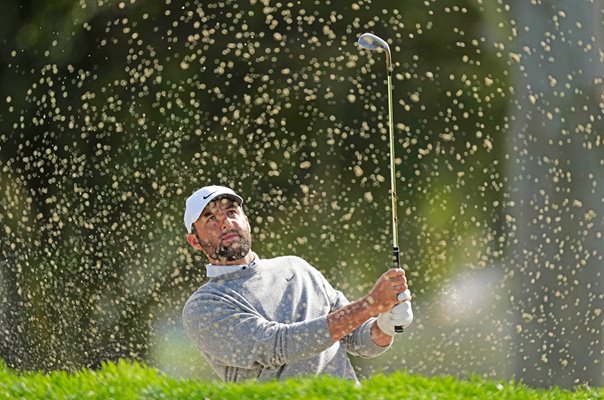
232	252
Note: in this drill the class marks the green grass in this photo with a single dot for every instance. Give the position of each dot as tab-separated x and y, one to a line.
126	380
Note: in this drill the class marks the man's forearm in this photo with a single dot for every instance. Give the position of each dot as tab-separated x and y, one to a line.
346	319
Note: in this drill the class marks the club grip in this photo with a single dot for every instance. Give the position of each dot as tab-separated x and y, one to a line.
396	260
396	257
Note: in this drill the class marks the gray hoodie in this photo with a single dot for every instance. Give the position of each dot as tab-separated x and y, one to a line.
270	322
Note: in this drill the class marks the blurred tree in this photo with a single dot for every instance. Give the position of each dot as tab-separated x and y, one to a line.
556	191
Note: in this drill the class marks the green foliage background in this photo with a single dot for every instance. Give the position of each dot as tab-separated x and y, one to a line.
114	111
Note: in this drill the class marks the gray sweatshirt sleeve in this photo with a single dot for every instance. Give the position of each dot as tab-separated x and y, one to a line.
228	333
360	343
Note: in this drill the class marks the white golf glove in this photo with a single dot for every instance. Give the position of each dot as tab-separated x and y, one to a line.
399	315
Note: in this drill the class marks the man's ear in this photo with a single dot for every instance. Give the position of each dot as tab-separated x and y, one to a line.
192	239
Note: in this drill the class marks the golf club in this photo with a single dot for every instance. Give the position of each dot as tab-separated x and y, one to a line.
372	42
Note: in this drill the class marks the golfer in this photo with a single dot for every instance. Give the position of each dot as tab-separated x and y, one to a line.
276	318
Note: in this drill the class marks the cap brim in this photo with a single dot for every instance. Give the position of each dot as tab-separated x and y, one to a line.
226	195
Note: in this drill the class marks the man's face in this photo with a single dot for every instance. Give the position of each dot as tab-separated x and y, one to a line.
223	231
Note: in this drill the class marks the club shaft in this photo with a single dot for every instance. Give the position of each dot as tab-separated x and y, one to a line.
393	196
396	258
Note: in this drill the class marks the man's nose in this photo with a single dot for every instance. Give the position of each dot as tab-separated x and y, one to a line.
226	222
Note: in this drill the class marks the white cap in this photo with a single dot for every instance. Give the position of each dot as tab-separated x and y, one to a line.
200	199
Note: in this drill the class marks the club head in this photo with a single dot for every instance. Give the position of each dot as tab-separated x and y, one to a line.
372	42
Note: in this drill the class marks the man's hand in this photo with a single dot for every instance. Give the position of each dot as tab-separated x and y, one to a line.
399	315
384	294
380	299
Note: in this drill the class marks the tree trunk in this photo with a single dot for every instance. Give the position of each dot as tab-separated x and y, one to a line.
555	184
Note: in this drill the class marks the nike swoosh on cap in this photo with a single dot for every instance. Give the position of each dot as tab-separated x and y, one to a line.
205	197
